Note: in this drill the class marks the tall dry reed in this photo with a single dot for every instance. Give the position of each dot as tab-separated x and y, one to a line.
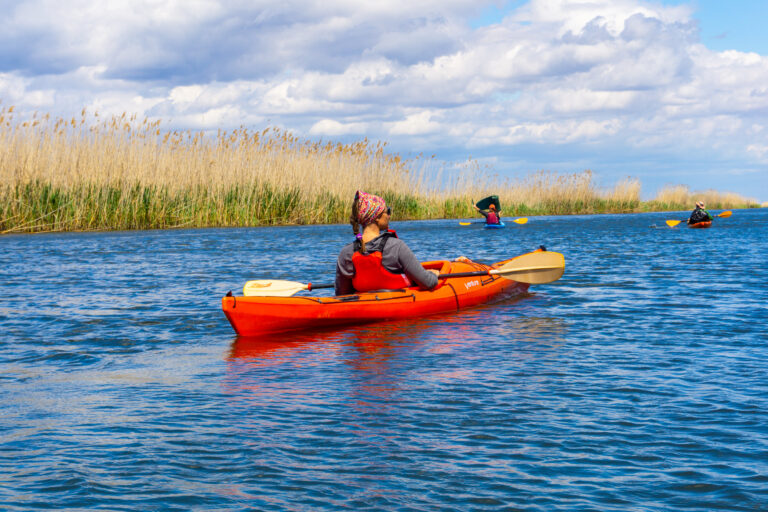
121	173
93	173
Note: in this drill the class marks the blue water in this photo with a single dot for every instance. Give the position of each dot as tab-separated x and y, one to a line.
638	382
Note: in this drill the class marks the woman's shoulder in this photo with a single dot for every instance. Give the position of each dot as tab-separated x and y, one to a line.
347	249
396	245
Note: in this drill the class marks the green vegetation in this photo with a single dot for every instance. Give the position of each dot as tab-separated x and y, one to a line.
89	173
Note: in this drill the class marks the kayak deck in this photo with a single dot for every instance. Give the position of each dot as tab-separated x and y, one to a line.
254	316
701	225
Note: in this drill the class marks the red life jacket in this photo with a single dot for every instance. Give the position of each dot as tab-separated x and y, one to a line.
492	218
371	275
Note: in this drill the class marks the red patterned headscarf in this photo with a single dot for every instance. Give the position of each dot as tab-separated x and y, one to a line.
369	207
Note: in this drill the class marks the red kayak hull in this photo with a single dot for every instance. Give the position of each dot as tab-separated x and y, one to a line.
701	225
256	316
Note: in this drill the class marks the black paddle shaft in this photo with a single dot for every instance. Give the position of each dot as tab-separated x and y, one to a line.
311	286
465	274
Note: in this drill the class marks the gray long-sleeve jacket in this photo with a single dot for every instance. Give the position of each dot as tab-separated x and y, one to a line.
395	257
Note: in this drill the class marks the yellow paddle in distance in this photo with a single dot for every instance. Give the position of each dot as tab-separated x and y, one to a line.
521	220
673	223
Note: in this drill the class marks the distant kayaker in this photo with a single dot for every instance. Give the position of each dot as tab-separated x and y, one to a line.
699	214
377	259
491	215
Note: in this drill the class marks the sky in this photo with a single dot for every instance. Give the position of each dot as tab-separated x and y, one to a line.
669	92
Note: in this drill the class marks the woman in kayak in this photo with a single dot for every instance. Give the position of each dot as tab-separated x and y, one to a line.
377	259
491	215
699	214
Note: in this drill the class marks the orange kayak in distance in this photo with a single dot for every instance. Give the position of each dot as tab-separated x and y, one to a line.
255	316
701	225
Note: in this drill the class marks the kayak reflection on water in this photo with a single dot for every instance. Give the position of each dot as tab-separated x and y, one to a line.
374	358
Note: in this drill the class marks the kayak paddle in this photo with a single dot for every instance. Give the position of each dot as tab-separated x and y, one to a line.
534	268
278	288
521	220
673	223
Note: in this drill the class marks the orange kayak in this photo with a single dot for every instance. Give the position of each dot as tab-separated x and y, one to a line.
254	316
705	224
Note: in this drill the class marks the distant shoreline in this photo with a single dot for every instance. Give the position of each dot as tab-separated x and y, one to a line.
103	228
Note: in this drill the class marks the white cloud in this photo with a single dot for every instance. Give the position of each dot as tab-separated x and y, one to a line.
185	95
584	100
574	15
417	123
760	150
332	128
13	89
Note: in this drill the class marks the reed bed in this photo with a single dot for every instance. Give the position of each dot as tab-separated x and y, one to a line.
119	172
680	197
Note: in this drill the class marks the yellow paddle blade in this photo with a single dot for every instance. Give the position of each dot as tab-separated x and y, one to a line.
727	213
521	220
464	223
272	288
535	268
673	223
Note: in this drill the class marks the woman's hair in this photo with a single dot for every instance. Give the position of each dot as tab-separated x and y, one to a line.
355	225
366	208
